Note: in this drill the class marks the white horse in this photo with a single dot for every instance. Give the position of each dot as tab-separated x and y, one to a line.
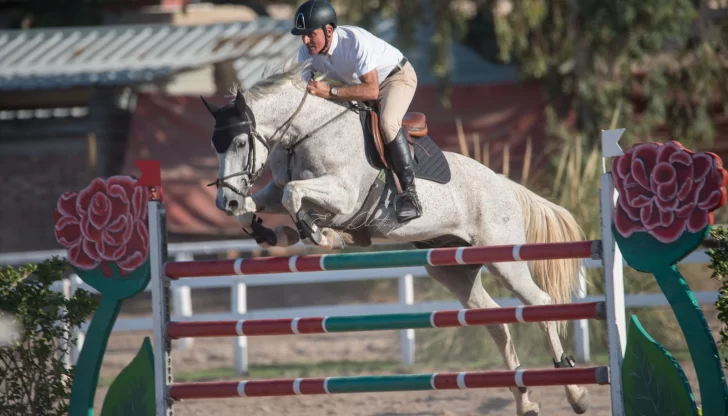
317	152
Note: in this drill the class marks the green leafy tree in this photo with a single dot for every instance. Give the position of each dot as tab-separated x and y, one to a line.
719	265
660	66
34	379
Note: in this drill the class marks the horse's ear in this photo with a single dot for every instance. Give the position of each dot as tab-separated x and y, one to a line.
212	108
240	102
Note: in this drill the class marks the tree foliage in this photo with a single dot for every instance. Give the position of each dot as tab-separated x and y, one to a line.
657	66
33	377
719	265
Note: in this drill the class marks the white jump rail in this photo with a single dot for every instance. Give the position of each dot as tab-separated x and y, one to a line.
205	247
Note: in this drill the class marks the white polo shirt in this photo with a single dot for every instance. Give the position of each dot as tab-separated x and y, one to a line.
354	52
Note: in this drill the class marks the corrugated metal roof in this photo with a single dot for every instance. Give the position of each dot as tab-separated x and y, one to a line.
118	55
113	55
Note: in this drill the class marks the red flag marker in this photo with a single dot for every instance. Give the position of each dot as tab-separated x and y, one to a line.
151	172
151	176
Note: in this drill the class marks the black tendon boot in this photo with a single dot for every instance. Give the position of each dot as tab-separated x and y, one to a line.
406	205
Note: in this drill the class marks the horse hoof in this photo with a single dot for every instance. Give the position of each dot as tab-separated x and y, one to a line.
580	401
530	409
307	228
311	238
331	239
287	236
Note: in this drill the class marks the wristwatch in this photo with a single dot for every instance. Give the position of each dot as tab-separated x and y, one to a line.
334	91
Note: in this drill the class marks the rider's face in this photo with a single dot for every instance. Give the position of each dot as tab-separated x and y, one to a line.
316	40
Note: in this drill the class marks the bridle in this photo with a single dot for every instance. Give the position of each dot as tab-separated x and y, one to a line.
250	175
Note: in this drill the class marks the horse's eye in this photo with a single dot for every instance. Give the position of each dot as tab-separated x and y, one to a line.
241	144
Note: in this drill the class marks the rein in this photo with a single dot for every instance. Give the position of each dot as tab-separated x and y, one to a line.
291	149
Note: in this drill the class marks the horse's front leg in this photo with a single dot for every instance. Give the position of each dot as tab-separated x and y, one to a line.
267	200
327	192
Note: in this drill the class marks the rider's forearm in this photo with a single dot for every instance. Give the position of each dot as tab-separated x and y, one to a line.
359	92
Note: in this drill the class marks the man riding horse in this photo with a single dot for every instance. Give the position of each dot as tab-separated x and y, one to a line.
322	184
371	70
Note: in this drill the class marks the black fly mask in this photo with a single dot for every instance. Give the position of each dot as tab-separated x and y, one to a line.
232	120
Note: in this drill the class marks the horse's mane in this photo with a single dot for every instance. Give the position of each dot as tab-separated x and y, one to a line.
291	72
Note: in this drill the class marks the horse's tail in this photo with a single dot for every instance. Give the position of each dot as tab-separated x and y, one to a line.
546	222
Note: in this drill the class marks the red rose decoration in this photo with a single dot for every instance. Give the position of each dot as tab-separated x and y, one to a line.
105	222
667	189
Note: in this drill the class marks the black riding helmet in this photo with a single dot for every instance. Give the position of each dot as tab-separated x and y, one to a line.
312	15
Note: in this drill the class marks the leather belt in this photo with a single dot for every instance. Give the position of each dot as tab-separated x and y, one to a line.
399	66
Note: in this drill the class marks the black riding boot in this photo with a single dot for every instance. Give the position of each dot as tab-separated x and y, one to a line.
406	205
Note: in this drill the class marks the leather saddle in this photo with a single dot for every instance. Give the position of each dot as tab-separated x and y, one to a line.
430	163
413	123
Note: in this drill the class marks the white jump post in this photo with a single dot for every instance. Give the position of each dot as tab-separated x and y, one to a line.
160	307
78	334
65	353
581	327
182	301
239	302
613	272
407	336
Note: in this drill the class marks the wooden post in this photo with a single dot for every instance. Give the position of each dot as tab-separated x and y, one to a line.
527	161
506	159
92	155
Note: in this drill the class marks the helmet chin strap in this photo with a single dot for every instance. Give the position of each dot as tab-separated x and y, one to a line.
326	45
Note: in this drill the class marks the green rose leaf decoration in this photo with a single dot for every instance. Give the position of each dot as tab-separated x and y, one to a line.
132	392
653	383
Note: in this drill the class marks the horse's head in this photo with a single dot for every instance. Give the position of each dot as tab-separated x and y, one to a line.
241	152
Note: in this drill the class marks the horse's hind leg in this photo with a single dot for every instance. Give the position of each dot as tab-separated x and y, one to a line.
464	282
517	278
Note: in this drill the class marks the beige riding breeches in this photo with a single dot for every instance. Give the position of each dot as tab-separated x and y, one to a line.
395	96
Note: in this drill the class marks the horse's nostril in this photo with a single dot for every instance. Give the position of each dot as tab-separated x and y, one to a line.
233	205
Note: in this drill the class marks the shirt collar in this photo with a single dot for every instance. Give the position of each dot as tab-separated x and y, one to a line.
334	42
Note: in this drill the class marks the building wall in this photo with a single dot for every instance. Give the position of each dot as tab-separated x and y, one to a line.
35	172
43	155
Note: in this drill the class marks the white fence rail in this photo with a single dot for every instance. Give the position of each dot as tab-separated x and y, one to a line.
181	293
